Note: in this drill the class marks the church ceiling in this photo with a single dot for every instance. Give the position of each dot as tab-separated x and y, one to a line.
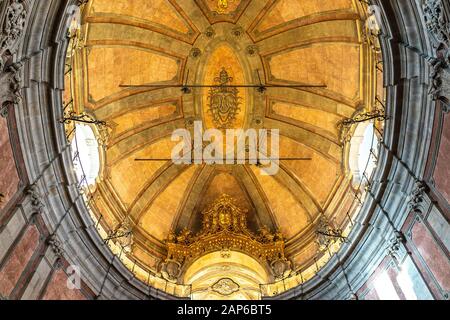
165	42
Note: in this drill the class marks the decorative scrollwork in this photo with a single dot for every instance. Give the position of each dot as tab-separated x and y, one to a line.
440	80
377	114
252	50
72	116
196	53
122	235
224	227
225	286
36	199
210	32
56	245
395	246
436	23
327	234
417	195
224	101
344	126
13	28
438	28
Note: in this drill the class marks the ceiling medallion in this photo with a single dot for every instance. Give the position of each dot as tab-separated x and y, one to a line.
222	6
225	228
225	286
224	101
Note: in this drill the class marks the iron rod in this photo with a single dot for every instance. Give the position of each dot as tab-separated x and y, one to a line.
221	86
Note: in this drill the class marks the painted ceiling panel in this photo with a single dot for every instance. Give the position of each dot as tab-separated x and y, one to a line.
157	221
332	64
129	177
161	12
133	121
318	176
110	67
307	115
292	217
283	11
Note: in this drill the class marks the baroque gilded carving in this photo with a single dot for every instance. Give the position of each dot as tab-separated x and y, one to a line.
12	30
225	286
224	101
224	227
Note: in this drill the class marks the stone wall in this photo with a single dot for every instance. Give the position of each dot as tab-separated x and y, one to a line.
426	228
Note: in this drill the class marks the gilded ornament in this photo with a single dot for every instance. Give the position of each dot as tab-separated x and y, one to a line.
224	101
224	229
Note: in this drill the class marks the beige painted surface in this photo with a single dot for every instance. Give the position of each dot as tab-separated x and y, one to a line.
144	42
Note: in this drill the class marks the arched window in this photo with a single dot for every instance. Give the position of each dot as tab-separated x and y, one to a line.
85	152
363	152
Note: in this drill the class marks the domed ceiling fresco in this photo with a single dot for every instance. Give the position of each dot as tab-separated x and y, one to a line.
144	69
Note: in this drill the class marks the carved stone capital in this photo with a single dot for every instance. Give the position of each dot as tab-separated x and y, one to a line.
438	26
436	22
417	196
36	199
440	80
56	245
396	249
12	29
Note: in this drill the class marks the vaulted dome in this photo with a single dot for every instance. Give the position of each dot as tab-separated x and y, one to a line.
317	66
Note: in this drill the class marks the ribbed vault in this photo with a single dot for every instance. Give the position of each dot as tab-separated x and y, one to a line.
166	42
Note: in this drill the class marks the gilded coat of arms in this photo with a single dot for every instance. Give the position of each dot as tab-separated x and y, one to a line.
225	286
224	101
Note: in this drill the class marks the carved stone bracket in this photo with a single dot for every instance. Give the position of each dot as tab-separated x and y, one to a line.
36	199
396	247
440	81
417	196
9	88
56	245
